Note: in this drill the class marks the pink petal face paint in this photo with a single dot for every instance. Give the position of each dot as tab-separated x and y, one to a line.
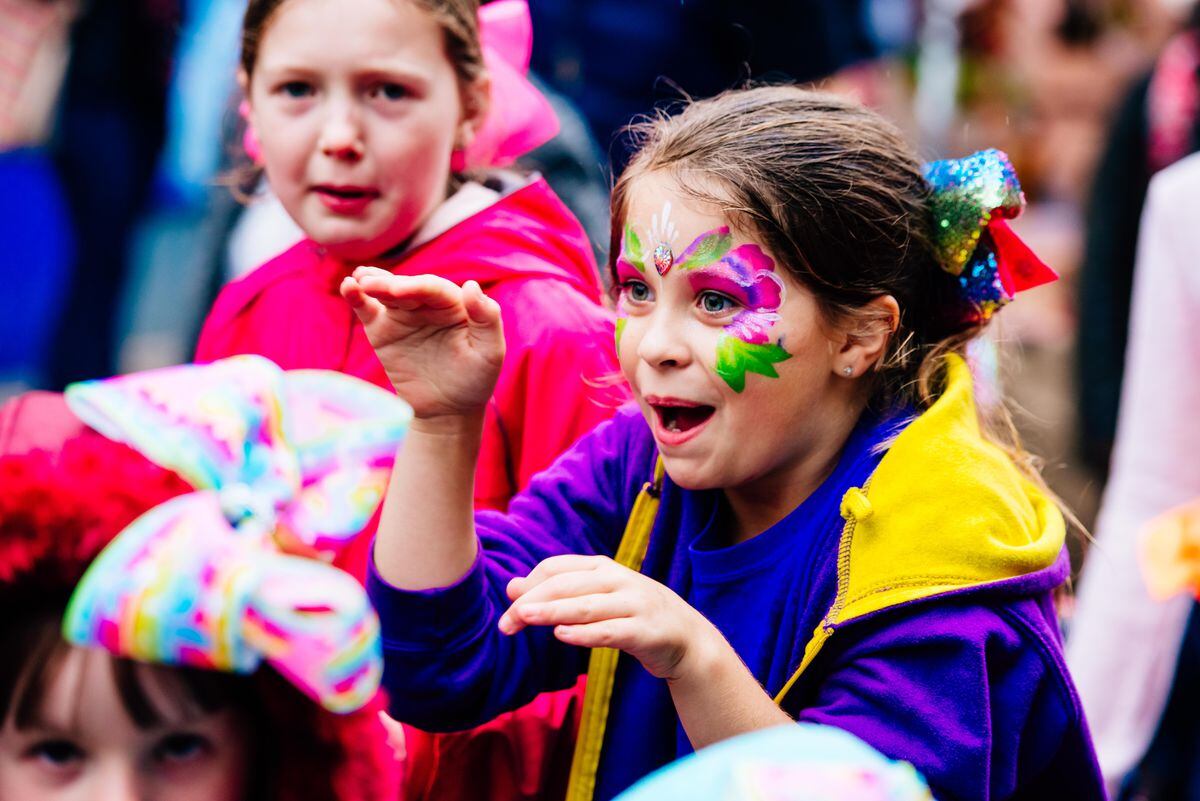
746	275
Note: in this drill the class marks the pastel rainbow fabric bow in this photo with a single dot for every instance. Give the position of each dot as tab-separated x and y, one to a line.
973	197
288	467
519	117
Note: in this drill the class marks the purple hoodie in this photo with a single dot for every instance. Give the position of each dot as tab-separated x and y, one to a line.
967	684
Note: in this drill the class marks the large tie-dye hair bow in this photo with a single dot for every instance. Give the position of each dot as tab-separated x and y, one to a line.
972	199
288	467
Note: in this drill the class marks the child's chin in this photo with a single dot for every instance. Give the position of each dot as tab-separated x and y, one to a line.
352	246
691	474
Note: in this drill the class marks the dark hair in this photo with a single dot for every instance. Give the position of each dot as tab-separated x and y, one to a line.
835	192
457	18
37	641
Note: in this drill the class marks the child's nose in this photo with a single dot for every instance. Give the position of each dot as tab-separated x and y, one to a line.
115	780
342	135
663	344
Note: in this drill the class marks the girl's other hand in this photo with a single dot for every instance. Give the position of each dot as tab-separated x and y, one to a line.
442	345
596	603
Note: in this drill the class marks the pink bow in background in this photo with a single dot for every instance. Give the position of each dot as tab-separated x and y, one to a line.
519	117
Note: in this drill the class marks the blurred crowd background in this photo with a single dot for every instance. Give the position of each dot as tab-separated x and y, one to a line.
121	213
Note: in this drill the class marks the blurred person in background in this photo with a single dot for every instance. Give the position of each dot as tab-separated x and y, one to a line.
177	258
615	59
109	132
34	224
1156	124
1125	649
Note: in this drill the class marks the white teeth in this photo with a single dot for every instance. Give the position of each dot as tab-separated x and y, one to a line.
671	420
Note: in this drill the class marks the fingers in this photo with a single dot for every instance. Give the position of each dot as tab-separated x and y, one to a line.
553	566
570	597
622	633
565	589
575	610
365	307
482	311
407	292
395	736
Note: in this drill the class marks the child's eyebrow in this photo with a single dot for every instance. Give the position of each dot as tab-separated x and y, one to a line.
40	722
401	71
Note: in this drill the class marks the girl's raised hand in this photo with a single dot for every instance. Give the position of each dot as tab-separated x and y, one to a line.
596	603
442	345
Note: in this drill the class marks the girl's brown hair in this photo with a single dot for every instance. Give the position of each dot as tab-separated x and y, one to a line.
457	18
835	192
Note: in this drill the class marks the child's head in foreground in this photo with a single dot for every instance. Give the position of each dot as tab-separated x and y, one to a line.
359	107
793	762
78	722
777	270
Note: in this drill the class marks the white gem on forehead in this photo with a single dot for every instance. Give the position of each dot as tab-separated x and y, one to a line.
663	233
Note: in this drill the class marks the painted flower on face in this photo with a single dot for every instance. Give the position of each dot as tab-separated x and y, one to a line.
746	275
762	291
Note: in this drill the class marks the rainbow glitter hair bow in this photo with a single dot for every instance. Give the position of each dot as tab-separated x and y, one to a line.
973	197
288	467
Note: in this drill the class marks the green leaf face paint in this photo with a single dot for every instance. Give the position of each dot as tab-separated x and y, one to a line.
735	358
620	328
631	250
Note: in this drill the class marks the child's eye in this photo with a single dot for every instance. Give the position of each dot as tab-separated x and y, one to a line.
181	747
635	290
715	302
296	89
56	753
389	91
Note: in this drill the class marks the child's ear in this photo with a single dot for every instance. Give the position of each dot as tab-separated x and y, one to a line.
476	101
867	337
243	80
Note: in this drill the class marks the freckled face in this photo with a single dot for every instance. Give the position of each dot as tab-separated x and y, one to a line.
723	349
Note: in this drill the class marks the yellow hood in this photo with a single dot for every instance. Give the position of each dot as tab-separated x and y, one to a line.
945	510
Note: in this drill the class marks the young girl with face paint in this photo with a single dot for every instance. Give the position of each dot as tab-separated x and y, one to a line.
155	648
835	540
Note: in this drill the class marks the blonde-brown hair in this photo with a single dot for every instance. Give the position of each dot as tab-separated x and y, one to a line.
458	20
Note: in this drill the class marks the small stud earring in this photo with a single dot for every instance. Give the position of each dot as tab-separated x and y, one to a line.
847	370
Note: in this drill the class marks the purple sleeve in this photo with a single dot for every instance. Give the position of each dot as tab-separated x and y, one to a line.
976	698
446	664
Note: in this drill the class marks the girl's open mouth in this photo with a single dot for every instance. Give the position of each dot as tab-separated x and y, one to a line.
677	420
